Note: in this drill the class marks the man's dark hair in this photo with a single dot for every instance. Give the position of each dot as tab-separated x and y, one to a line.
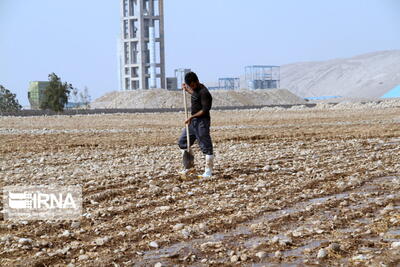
191	77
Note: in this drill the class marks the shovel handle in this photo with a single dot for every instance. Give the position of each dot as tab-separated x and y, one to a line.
187	125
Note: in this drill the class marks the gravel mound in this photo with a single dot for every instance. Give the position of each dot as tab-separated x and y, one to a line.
159	98
349	105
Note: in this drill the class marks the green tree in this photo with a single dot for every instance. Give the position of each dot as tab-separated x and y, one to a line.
8	101
56	94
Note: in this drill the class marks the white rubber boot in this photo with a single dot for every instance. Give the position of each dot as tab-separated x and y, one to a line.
209	167
186	171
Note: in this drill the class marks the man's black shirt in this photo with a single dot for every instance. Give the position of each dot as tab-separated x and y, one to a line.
201	100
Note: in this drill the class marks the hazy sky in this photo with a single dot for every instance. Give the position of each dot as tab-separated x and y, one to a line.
77	39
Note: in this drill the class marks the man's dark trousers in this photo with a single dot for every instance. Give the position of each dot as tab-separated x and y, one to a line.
199	129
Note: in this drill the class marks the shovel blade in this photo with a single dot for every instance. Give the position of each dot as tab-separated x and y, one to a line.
188	160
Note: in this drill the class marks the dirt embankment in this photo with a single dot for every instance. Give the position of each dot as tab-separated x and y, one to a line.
159	98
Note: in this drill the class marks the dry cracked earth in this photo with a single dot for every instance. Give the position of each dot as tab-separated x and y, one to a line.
309	187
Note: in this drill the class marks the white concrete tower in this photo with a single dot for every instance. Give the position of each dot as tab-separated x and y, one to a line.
142	41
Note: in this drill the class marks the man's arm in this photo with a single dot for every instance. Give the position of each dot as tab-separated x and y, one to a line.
198	114
206	103
206	100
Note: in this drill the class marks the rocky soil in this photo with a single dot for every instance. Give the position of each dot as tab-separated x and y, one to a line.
305	186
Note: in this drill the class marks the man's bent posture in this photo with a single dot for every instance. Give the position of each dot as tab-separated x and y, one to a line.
199	122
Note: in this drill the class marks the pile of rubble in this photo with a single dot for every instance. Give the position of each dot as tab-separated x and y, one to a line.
159	98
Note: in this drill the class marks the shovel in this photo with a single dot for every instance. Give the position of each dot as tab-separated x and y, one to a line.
188	158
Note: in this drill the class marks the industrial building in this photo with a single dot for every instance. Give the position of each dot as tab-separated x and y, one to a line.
172	83
142	53
175	83
262	77
228	83
180	75
36	93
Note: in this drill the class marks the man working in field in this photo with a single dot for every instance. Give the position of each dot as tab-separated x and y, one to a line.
199	122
